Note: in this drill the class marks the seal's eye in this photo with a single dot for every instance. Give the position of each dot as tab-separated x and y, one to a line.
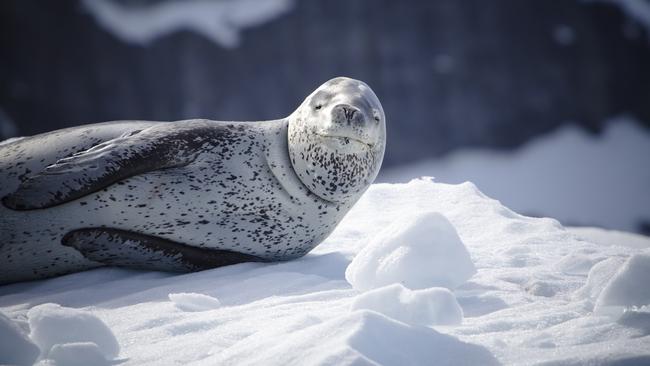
376	116
319	106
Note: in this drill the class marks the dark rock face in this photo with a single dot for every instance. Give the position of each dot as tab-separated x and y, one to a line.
449	73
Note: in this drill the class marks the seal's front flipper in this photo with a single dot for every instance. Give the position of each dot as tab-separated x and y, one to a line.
165	145
123	248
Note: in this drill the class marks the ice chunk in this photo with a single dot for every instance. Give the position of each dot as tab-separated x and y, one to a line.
53	324
629	287
15	347
418	251
432	306
189	301
77	354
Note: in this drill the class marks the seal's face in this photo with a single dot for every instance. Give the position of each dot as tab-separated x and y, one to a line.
337	139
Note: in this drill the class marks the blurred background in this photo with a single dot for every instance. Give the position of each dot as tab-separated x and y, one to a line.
544	105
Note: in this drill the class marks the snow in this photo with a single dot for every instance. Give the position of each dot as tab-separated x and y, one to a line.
571	175
531	301
52	324
629	286
431	306
194	302
219	21
15	347
419	251
77	354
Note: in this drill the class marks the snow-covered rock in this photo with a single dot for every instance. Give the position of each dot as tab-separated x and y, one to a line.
15	347
418	251
77	354
432	306
194	302
629	286
53	324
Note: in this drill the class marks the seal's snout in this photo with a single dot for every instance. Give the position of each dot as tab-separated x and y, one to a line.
348	115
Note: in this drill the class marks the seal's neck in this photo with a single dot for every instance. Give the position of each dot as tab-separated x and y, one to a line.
278	161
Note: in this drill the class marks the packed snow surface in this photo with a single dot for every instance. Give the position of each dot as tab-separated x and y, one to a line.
570	174
531	299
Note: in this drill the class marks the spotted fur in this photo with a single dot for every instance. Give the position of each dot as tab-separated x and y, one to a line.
187	195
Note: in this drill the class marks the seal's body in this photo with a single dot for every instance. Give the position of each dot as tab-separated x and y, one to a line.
187	195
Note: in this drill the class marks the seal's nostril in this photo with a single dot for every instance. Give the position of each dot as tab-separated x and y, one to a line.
348	112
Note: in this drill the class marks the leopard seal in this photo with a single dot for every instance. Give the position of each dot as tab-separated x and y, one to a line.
187	195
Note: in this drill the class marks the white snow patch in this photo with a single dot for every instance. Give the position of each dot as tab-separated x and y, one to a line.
629	286
432	306
53	324
418	251
220	21
194	302
15	347
570	175
77	354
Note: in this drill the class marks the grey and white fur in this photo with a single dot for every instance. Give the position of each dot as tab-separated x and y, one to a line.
187	195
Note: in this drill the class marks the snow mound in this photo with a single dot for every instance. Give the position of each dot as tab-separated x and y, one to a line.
194	302
53	324
360	338
77	354
15	347
599	276
419	251
629	287
433	306
558	175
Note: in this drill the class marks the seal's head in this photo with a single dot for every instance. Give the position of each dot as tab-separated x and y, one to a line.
337	139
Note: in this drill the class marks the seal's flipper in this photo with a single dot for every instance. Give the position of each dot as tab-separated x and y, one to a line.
122	248
158	147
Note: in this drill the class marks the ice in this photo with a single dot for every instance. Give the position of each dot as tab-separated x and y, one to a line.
629	286
53	324
15	347
77	354
194	302
432	306
418	251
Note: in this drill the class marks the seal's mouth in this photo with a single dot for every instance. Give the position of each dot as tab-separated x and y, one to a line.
347	140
